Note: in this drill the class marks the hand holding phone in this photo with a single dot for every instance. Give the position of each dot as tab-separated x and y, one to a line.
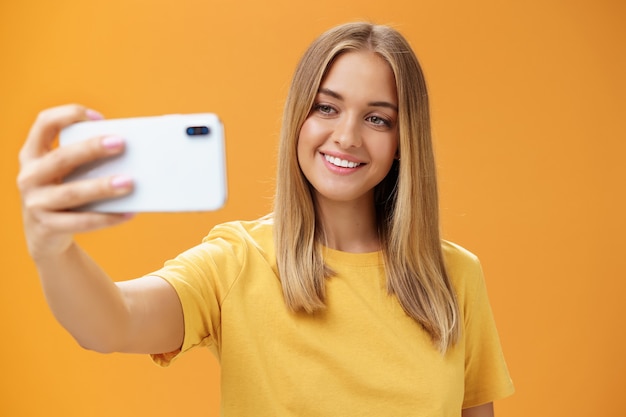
177	162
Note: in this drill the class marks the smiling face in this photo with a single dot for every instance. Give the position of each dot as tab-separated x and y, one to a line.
348	141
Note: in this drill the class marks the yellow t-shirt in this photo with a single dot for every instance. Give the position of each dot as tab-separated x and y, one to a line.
361	356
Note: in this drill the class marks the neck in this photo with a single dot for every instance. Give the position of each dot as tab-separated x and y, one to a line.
349	226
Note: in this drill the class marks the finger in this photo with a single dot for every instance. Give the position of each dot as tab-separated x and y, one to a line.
75	194
81	222
56	164
57	227
48	125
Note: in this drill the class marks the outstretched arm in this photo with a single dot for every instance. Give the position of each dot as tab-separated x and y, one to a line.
142	315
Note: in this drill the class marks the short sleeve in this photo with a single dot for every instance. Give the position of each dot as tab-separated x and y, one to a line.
486	374
201	276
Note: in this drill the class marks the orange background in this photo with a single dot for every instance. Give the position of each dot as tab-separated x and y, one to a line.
528	110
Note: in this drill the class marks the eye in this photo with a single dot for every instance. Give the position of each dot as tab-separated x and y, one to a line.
378	121
324	108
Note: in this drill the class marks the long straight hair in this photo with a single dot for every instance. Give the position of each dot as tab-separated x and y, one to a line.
406	199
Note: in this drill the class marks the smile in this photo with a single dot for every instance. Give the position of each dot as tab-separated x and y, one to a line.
341	162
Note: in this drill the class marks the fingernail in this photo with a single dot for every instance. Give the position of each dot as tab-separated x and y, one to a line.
93	115
121	181
112	142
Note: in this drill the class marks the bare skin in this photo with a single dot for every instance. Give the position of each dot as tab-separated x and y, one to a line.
139	316
143	315
354	122
347	145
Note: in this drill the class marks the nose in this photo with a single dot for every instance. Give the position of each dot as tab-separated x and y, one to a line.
347	134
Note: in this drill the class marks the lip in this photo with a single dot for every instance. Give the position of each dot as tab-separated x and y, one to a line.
337	169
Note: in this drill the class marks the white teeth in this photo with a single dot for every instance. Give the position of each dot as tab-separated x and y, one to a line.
341	162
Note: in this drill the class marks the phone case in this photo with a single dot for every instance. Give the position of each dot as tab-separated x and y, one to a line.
177	162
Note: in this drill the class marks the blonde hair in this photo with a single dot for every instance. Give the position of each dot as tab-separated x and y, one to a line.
406	200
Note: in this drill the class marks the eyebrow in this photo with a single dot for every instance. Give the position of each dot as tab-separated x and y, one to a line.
334	94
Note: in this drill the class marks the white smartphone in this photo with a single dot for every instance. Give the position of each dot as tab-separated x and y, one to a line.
177	162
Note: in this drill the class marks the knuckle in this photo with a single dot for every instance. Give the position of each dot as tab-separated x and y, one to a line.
69	194
22	180
43	116
32	205
46	116
26	178
75	111
22	156
57	158
53	115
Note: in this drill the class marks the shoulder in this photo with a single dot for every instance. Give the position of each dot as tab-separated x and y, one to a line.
457	257
259	230
463	268
244	238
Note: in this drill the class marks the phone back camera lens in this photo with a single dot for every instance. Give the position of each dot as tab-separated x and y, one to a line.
198	131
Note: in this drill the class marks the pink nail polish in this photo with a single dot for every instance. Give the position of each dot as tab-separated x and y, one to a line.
121	181
93	115
112	142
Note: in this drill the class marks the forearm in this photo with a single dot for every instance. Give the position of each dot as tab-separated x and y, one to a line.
85	300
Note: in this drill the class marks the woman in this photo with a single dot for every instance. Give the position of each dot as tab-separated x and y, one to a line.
343	301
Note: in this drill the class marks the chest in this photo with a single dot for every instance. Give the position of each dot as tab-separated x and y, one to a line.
361	349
